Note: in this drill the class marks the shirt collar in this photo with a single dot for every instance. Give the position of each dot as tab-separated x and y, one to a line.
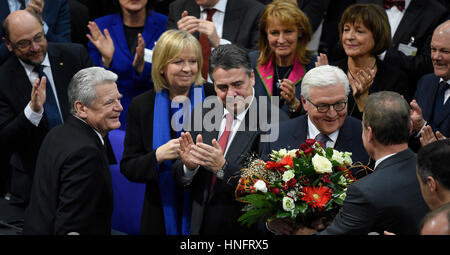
29	68
220	6
382	159
98	133
313	132
441	80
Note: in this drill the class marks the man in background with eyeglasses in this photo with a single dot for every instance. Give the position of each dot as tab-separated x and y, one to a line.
324	97
33	94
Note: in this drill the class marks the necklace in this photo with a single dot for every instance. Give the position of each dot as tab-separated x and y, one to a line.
286	74
374	65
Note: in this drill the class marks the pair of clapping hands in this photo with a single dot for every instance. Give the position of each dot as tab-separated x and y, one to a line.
192	154
426	132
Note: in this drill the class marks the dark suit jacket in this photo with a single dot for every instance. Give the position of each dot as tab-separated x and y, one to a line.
294	132
388	77
217	212
387	199
139	159
72	189
240	25
427	90
22	138
56	14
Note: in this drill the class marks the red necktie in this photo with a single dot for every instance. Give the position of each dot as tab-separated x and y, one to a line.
206	47
389	3
223	140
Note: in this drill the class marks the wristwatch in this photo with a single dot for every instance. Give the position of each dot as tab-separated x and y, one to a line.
220	173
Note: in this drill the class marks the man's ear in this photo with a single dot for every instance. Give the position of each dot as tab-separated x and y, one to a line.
370	135
303	101
8	44
431	184
80	110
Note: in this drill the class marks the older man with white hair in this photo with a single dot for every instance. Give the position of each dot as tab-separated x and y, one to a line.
72	189
324	96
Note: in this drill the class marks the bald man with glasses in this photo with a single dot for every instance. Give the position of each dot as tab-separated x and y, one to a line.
33	94
324	97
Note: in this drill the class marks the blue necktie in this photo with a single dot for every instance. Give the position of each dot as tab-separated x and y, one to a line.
50	106
439	102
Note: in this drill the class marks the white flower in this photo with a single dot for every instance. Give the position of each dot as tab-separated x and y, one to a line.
321	164
338	157
282	153
292	153
260	185
347	158
288	204
288	175
343	195
342	181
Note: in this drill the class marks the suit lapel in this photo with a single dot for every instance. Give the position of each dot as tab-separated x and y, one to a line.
231	22
118	31
344	137
20	82
59	72
444	114
428	104
408	22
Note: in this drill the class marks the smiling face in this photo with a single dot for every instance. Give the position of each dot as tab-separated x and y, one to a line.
357	40
440	52
181	72
282	40
132	5
24	27
234	87
332	120
103	113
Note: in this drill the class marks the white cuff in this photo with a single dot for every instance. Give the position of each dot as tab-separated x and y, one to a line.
32	116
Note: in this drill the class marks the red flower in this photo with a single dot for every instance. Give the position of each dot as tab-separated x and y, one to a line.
275	166
288	160
308	151
310	142
304	146
275	191
326	178
316	197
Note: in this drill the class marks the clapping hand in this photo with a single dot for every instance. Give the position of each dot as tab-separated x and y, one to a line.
35	6
102	42
186	145
210	157
138	62
38	94
193	24
416	116
168	151
427	136
288	94
322	60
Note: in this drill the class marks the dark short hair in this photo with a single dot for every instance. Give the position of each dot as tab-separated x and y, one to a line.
445	209
229	56
387	113
374	18
434	160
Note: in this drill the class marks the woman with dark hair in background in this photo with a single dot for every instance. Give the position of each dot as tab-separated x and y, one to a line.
117	42
365	33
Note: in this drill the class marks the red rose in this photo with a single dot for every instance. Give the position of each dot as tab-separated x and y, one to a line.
310	142
275	191
304	146
291	183
308	151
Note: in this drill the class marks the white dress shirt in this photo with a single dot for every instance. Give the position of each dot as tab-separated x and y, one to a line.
35	117
313	132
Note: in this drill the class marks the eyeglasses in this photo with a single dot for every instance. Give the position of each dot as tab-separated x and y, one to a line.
25	44
323	108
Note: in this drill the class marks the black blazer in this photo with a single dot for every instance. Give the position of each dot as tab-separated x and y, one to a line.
22	138
139	163
217	212
240	25
72	188
388	77
387	199
294	132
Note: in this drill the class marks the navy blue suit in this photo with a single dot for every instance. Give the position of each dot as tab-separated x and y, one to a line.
426	93
56	14
129	83
294	132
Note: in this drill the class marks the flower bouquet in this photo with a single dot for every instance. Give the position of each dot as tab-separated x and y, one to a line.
302	185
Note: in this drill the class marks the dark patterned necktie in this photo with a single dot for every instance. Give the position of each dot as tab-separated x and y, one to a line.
50	106
323	139
389	3
439	102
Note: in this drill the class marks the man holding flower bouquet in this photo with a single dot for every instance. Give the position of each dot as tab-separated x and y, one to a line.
390	197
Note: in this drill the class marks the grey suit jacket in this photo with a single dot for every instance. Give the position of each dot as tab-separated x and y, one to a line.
387	199
240	23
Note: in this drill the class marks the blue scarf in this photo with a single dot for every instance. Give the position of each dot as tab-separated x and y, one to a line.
177	220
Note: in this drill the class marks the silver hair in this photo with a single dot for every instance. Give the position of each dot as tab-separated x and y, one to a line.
323	76
82	86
